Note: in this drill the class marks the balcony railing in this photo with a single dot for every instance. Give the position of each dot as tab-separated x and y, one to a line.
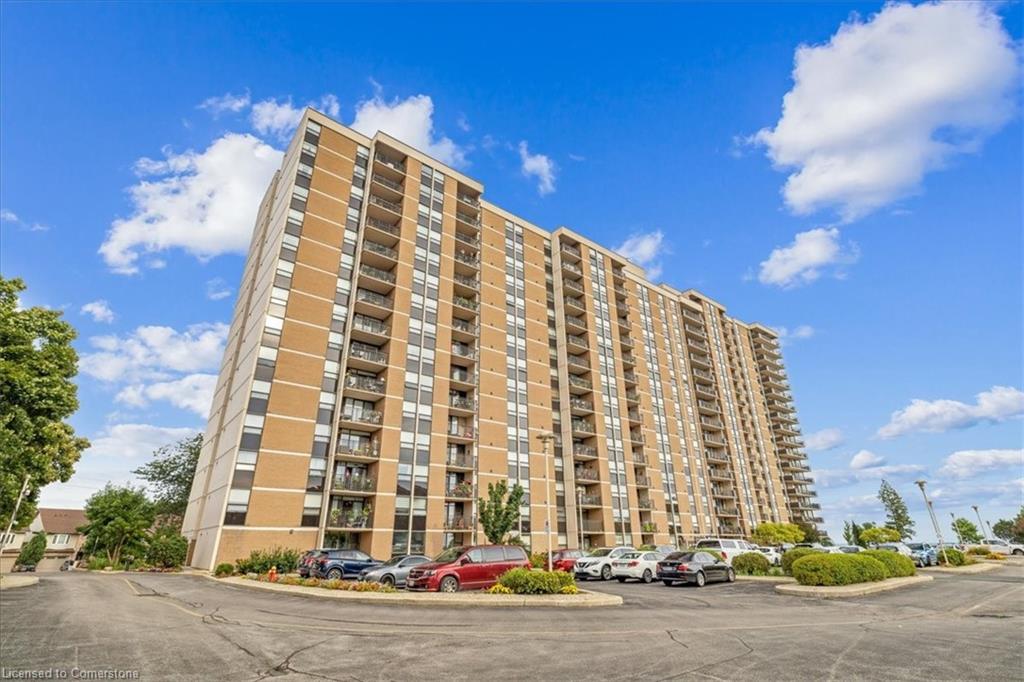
633	396
696	317
619	289
575	302
708	406
373	297
370	325
385	251
716	456
383	226
464	351
581	404
467	239
584	450
468	219
582	426
460	490
580	382
461	403
387	182
388	161
591	526
572	267
363	416
467	281
643	481
629	376
377	273
575	321
577	340
629	358
586	475
634	415
571	250
644	505
366	448
461	461
370	355
365	383
464	326
467	257
576	361
590	500
459	523
464	377
361	484
573	285
462	432
384	203
467	303
465	198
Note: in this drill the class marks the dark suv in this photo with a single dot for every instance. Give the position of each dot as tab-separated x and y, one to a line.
341	563
466	568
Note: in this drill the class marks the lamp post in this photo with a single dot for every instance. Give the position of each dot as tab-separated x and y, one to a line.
546	437
956	528
17	506
579	509
935	522
981	524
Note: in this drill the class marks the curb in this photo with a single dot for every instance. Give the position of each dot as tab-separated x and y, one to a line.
980	567
766	578
858	590
584	600
13	582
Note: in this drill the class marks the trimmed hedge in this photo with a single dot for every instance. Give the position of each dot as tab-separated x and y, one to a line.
792	555
224	570
751	564
897	565
819	569
526	581
261	560
978	551
955	556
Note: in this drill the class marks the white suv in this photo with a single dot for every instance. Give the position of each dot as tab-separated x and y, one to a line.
727	548
997	546
598	563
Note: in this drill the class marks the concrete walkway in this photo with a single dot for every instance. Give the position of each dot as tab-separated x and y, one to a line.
973	568
10	582
845	591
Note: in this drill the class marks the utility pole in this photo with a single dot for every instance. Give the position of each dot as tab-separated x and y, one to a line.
579	509
935	522
956	528
981	524
546	437
17	505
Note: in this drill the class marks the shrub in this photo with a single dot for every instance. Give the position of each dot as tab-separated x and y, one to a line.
751	564
817	568
260	560
897	565
311	582
525	581
32	551
97	563
954	556
993	556
498	588
334	584
570	589
978	551
224	570
539	560
792	555
167	548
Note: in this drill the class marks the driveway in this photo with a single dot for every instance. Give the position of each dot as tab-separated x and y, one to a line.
183	627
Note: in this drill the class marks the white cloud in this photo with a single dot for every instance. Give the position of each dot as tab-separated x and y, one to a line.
134	440
193	392
887	100
802	261
154	352
8	216
463	123
837	478
217	288
202	202
786	335
273	117
995	405
645	249
540	167
99	311
866	459
225	103
825	439
968	463
410	120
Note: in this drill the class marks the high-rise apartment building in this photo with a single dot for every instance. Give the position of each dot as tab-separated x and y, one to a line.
399	343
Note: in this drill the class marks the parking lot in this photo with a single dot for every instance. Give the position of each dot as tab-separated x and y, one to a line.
185	627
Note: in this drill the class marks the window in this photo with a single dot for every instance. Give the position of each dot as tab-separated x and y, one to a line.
493	554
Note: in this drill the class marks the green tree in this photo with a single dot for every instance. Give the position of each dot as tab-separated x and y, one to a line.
169	475
37	365
773	534
966	530
896	515
1011	530
851	532
119	518
32	551
876	535
811	532
499	515
167	548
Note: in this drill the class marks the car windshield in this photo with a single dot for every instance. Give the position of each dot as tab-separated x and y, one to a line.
713	544
604	551
890	548
630	555
915	545
680	556
449	555
393	560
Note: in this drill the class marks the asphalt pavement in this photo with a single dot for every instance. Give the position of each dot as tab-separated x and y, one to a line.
179	627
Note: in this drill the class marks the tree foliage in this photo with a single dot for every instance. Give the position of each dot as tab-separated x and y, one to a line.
499	515
896	515
778	534
811	532
169	475
966	530
32	551
167	548
37	365
877	535
119	518
1011	530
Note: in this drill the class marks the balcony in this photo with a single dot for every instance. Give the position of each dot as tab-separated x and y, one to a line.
467	199
648	528
573	285
463	354
714	440
468	239
459	524
585	475
577	342
639	459
350	519
589	501
460	462
463	330
366	357
578	364
694	331
629	377
362	417
705	391
628	359
393	207
378	255
634	416
382	229
572	269
693	315
700	360
466	262
575	303
467	219
592	526
633	396
636	437
369	329
571	252
582	426
461	433
463	377
390	162
465	303
358	451
460	491
643	482
708	407
586	452
575	325
387	186
580	406
716	456
372	302
644	505
461	404
578	385
466	285
360	485
626	341
362	384
723	493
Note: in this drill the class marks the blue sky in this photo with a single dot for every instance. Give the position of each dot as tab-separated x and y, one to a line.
892	256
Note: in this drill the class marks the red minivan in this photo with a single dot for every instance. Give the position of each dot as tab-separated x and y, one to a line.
466	568
565	559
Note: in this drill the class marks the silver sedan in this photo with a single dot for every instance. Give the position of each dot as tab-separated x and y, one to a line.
394	571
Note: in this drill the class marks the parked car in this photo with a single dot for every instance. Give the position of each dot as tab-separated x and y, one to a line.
394	571
924	554
850	549
24	568
639	565
897	547
565	559
598	563
68	565
466	567
727	548
998	546
335	564
693	567
773	555
307	560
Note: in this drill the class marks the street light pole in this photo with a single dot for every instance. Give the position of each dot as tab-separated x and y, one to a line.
956	528
981	524
935	522
546	437
17	505
579	509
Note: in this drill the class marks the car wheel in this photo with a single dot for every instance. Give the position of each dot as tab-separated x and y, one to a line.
388	581
730	576
621	578
648	577
669	583
448	584
700	580
606	572
335	574
1018	552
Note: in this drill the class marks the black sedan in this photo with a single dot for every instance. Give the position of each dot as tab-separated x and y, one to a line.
694	567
